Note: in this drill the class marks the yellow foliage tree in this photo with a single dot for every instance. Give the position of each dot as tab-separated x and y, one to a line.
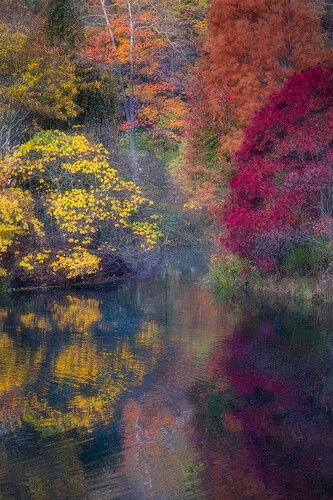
86	214
35	79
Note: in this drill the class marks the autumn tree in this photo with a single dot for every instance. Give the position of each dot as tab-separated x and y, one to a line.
36	81
252	48
198	169
66	213
281	196
63	22
24	13
138	42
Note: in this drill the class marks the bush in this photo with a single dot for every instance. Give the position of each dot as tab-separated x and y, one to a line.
307	259
284	174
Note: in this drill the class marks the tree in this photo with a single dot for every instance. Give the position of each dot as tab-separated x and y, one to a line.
138	43
114	45
282	191
198	170
63	23
65	212
252	48
36	81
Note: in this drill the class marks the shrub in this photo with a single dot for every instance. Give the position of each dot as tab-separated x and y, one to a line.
228	273
307	259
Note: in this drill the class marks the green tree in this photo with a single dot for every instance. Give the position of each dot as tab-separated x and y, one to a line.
63	22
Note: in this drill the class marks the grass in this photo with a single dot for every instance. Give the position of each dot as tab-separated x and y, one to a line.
229	284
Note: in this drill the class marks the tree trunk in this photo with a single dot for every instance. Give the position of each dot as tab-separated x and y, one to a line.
128	102
133	149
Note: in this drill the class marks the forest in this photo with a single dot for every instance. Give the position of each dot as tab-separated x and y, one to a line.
166	249
129	126
93	107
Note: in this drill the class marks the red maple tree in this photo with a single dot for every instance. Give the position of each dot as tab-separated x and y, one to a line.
283	188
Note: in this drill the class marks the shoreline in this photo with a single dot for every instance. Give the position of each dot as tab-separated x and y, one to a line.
315	290
104	281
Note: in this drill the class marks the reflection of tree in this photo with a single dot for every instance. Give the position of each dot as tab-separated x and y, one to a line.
18	366
44	472
157	457
88	350
160	459
96	378
77	314
114	309
65	363
267	411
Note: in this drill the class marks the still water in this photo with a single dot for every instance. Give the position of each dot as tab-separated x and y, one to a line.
152	388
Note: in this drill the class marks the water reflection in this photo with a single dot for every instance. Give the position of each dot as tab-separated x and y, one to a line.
71	381
65	362
264	416
152	388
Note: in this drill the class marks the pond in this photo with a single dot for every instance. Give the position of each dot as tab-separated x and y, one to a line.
152	388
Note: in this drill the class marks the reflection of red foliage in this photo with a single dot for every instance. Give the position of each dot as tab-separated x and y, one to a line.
283	183
284	429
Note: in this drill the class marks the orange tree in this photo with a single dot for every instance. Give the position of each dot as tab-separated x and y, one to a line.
252	48
133	42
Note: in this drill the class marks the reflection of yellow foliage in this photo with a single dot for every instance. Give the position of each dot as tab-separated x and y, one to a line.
3	316
125	361
148	335
108	374
79	363
86	412
100	376
33	321
17	366
76	314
